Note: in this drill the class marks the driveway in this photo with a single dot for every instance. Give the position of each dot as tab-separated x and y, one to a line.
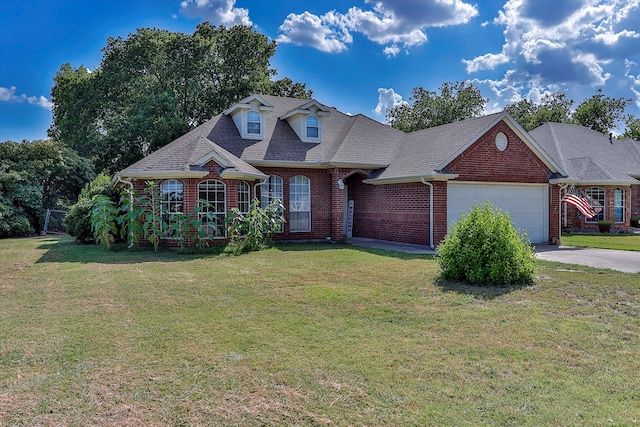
625	261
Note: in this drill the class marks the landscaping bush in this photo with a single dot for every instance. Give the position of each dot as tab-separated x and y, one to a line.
12	223
78	223
253	230
484	248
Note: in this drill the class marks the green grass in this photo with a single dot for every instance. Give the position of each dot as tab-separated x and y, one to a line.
625	242
307	335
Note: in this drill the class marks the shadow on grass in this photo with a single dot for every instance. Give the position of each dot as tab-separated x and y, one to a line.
66	249
486	292
292	246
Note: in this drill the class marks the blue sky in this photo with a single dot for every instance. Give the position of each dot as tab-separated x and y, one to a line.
358	56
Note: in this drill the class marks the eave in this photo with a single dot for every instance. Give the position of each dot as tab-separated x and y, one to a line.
413	178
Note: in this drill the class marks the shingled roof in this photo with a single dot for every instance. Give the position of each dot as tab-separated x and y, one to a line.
588	156
347	141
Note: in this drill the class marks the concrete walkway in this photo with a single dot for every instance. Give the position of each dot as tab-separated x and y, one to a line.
625	261
390	246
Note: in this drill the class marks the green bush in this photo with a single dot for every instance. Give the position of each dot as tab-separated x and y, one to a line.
12	223
78	222
484	248
253	230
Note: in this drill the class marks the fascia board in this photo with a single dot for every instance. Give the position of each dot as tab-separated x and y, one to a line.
161	174
414	178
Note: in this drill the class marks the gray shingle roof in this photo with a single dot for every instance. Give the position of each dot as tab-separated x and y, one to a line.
589	156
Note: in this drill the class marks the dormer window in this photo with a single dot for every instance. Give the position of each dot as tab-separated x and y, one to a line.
249	116
313	127
253	123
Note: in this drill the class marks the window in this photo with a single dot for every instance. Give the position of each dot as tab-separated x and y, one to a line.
299	204
618	205
213	206
313	127
244	197
270	191
171	195
596	198
253	122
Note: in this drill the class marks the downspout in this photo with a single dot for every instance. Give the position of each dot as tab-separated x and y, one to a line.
430	211
563	212
255	186
130	184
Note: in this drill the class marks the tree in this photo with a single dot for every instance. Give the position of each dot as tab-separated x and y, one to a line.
39	175
155	85
633	128
601	112
456	101
554	107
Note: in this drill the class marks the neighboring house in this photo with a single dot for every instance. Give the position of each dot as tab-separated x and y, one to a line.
603	170
340	175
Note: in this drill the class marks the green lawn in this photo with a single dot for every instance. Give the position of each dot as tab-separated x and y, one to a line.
625	242
307	335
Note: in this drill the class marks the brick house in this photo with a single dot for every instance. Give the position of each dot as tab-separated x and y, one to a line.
340	175
603	170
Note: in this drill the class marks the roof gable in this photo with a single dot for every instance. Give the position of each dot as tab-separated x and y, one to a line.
589	156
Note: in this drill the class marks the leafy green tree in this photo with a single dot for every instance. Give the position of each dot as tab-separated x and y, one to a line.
601	112
155	85
484	248
633	128
554	107
39	175
426	109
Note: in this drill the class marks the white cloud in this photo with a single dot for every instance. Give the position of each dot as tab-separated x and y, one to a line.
326	33
218	12
485	62
387	99
574	44
9	95
393	23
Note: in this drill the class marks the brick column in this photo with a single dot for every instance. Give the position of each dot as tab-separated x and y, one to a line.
337	207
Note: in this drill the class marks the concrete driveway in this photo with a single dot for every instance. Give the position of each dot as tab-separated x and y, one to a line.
625	261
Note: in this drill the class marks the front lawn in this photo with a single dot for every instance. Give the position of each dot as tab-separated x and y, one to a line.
307	335
624	242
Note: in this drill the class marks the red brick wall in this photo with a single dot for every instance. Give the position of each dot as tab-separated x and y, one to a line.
482	161
397	212
635	201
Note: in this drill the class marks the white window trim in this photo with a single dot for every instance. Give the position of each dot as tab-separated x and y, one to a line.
291	207
267	198
203	214
166	213
617	206
248	192
604	203
303	132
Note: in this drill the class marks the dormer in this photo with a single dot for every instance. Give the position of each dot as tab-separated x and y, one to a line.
249	116
306	121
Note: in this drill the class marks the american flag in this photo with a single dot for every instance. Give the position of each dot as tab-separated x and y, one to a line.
582	204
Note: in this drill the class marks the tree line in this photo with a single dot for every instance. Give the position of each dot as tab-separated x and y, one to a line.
462	100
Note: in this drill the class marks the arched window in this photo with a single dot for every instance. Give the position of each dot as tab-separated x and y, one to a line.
213	206
171	204
313	127
299	203
596	198
253	122
618	205
270	191
244	197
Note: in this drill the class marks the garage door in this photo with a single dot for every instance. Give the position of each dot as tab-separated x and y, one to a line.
528	205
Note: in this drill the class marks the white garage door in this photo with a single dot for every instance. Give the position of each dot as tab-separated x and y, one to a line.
528	205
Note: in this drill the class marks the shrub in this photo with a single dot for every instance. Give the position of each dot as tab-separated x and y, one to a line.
12	223
253	230
78	223
484	248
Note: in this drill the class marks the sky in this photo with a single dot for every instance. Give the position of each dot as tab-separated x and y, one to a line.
359	56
